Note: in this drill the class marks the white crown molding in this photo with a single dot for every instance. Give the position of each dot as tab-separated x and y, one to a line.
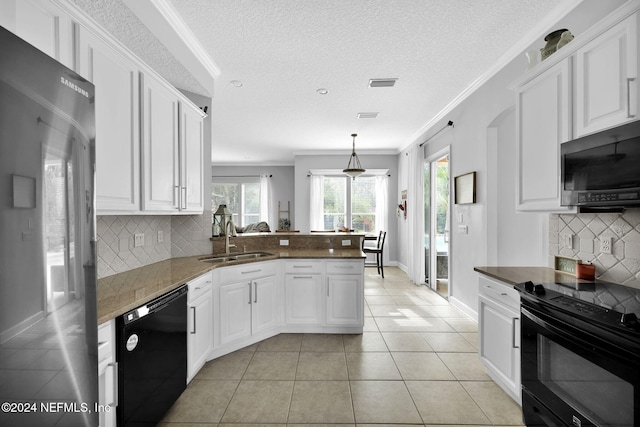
561	10
388	152
162	19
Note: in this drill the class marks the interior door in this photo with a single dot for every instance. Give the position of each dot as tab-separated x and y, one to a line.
436	222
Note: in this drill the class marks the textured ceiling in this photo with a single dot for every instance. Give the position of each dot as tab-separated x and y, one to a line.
284	50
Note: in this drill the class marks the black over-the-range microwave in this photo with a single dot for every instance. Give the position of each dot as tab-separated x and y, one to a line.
602	170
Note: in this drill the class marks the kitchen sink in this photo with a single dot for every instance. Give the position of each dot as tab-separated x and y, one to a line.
235	257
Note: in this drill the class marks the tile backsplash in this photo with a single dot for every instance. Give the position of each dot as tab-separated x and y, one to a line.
164	237
581	235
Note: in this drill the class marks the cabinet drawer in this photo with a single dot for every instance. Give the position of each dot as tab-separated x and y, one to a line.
344	267
106	338
249	271
303	266
199	286
500	292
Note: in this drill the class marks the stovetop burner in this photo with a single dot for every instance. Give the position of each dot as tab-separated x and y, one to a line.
600	302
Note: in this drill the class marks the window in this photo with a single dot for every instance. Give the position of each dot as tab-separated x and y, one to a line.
242	199
354	204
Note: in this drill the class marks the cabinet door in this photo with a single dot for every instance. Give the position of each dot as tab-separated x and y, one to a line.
192	172
607	79
303	299
107	374
264	304
543	114
499	343
160	146
235	311
42	24
117	123
200	336
345	300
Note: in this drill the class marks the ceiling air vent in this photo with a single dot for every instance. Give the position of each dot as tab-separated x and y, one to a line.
382	82
367	115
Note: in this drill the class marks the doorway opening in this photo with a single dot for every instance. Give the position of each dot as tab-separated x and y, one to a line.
436	223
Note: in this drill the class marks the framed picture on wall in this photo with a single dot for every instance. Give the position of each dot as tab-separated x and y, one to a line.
465	188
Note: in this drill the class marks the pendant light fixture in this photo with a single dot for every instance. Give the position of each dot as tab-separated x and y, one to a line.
354	168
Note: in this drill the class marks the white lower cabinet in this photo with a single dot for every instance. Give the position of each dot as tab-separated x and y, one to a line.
247	301
200	323
499	328
254	301
303	299
107	374
345	302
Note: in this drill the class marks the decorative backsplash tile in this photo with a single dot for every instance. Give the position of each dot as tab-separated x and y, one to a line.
184	235
581	236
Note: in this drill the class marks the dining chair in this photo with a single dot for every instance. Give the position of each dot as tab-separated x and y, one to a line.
378	251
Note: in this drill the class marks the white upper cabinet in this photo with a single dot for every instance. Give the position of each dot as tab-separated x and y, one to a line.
607	79
115	77
543	123
41	24
161	171
191	159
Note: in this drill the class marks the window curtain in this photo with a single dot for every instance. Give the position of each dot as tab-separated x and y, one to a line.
265	202
382	189
316	196
415	220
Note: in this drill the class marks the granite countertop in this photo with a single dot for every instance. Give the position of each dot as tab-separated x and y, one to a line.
122	292
514	275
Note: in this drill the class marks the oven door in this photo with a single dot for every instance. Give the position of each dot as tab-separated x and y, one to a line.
571	377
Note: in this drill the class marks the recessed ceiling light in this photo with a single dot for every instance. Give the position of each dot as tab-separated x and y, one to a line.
235	83
368	115
382	82
322	91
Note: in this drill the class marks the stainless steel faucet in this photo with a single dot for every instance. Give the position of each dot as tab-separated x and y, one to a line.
227	232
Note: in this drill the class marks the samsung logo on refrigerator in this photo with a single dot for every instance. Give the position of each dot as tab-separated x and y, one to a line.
74	86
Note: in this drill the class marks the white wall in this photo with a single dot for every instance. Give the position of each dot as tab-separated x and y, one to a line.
303	163
483	140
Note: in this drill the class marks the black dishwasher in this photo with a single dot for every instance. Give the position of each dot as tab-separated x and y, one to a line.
152	358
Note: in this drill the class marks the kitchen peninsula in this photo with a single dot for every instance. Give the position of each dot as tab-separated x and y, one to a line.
300	283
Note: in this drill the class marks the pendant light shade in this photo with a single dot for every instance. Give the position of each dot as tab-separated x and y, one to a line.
354	168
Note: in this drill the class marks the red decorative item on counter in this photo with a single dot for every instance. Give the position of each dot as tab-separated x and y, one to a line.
585	271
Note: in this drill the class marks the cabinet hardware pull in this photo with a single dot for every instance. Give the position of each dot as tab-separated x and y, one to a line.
302	266
630	114
114	365
303	277
176	197
504	294
250	271
194	320
328	282
513	332
184	201
343	266
250	292
255	293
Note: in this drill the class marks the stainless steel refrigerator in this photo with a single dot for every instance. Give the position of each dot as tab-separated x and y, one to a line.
48	330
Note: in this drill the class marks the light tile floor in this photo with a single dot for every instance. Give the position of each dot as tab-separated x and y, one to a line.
415	364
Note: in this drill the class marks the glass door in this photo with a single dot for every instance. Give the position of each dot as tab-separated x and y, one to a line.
436	223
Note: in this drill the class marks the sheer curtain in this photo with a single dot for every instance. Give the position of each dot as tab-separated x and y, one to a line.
316	197
265	202
382	188
415	220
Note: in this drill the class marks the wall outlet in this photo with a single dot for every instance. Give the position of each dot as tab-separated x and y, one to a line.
138	240
463	229
605	245
160	236
568	241
284	242
346	243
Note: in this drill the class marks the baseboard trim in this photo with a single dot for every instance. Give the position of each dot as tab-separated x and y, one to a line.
15	330
464	308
